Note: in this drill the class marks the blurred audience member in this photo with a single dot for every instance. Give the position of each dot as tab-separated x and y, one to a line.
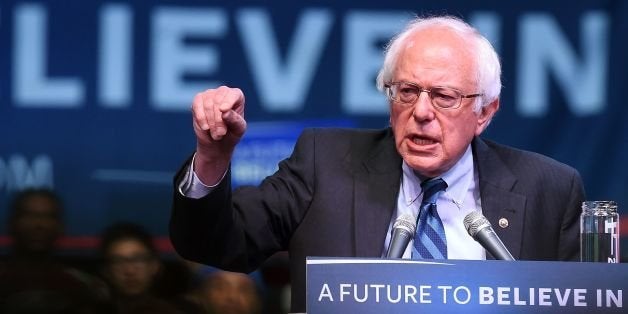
222	292
32	278
35	223
230	293
131	267
217	291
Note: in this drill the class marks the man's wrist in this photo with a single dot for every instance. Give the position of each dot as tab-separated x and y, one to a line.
192	186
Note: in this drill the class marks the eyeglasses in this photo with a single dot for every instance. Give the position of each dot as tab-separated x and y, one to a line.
406	94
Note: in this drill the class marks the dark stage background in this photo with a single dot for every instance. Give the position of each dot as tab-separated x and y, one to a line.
95	95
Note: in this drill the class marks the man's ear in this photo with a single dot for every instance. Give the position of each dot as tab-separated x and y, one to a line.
485	115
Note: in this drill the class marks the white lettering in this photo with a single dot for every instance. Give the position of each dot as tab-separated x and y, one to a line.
458	299
325	293
366	293
283	87
545	296
611	228
579	297
171	59
616	299
390	299
32	88
377	288
486	295
544	49
502	295
424	294
562	298
343	291
517	300
283	73
114	68
362	58
531	297
410	292
444	288
16	174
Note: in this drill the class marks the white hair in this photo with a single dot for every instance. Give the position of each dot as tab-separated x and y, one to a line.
488	65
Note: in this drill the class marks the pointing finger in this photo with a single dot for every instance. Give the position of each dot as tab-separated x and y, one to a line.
234	99
235	122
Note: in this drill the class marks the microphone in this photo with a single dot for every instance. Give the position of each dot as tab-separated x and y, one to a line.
402	232
480	229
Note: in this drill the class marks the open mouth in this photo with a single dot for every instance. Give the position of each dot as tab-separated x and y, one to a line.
423	140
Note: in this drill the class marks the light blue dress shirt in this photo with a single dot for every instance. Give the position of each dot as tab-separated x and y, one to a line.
461	197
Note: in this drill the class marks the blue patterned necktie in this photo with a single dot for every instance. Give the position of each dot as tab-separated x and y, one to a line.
429	239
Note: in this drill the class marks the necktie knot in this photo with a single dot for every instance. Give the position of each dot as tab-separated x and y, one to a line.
431	190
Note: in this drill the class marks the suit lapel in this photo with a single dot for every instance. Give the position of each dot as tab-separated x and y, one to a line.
499	202
376	185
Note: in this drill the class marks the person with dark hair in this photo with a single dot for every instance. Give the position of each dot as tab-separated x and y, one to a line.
214	291
35	223
226	292
33	278
131	266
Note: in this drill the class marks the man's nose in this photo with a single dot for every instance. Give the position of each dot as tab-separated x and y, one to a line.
423	108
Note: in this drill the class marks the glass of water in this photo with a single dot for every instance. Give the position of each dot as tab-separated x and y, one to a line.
599	232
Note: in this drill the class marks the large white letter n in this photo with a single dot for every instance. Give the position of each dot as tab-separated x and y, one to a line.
544	49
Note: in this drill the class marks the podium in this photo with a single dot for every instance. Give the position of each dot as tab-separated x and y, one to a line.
354	285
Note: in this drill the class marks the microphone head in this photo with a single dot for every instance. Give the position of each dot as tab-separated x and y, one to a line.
474	222
406	222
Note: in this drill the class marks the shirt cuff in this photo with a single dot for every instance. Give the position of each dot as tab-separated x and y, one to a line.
191	186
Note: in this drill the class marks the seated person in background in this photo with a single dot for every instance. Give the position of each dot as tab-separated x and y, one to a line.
214	291
226	292
231	293
33	277
131	266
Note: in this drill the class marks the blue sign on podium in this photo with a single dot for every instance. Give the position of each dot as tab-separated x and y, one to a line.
352	285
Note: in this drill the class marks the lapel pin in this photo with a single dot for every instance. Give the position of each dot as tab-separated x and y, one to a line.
503	222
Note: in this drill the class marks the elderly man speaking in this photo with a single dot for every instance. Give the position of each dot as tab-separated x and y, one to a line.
340	191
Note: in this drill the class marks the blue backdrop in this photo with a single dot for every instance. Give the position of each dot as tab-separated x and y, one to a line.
95	95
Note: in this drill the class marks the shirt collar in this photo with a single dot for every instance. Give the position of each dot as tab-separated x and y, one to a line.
410	185
457	178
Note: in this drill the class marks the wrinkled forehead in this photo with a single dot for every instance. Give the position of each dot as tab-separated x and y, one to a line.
439	47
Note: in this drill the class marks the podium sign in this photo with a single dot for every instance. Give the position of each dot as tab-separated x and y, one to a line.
352	285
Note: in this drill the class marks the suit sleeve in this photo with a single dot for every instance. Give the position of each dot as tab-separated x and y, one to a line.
238	230
569	241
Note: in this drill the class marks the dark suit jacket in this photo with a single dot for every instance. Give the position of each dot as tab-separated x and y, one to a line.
336	194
